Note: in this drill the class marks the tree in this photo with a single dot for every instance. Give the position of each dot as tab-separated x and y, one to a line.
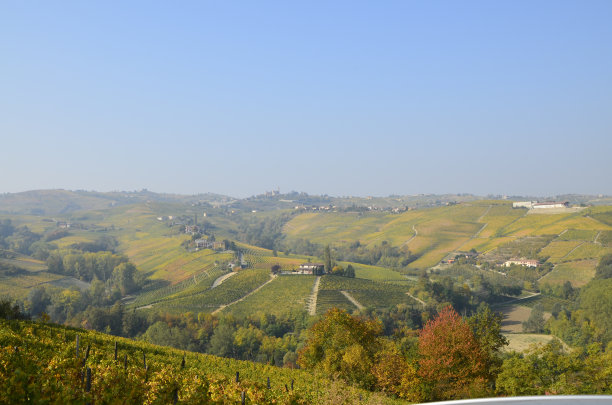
327	259
451	362
535	322
486	326
395	375
342	345
37	301
10	311
123	277
595	301
222	341
604	268
349	272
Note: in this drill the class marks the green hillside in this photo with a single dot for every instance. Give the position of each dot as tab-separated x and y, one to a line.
434	233
150	234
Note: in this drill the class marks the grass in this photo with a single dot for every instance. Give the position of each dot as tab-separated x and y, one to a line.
521	342
578	273
376	273
546	302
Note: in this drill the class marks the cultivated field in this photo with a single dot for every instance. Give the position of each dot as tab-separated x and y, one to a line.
578	273
284	294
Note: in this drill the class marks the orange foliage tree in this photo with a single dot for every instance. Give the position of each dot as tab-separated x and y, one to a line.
452	364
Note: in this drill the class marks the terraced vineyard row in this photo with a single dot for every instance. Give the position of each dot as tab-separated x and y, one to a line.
367	292
231	290
199	282
328	299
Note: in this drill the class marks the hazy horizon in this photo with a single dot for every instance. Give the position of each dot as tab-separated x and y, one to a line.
286	192
347	98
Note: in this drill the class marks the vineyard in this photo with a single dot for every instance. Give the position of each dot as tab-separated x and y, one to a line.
367	292
292	291
198	283
578	273
231	290
45	363
578	234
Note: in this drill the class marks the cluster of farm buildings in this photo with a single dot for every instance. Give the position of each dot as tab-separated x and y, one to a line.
317	269
535	205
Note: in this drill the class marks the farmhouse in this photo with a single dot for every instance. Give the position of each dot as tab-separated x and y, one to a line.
523	204
206	244
550	204
312	268
525	263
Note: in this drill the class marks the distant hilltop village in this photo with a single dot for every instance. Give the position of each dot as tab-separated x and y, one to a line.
533	205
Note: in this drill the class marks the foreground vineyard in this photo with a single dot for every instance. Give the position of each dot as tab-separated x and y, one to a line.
43	363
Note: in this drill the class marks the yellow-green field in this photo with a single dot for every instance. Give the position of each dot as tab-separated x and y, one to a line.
521	342
26	263
587	235
588	251
19	286
557	250
376	273
578	273
480	225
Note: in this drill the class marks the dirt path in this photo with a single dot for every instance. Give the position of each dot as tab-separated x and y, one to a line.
222	307
353	300
570	252
485	213
480	231
515	301
312	301
413	236
596	240
221	279
482	228
416	299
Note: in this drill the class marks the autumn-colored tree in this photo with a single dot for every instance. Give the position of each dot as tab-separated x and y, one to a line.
395	375
452	364
343	346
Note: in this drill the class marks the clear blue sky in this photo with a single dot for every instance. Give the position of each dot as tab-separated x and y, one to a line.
343	98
